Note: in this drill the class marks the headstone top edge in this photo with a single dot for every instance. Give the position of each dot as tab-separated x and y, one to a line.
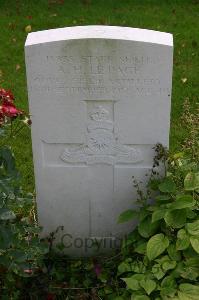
99	32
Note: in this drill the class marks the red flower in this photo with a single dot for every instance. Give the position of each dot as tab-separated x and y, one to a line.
7	107
10	110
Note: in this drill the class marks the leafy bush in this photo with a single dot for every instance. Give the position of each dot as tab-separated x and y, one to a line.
161	256
21	251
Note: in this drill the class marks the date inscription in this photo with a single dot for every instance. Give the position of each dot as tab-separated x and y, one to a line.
100	75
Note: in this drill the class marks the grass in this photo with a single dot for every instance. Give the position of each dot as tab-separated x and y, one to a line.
178	17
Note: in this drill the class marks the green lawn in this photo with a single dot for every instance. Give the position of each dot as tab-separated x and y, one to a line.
178	17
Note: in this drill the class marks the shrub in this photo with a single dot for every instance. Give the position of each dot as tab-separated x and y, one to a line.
21	251
161	256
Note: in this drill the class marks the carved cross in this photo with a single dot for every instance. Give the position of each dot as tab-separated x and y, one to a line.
101	153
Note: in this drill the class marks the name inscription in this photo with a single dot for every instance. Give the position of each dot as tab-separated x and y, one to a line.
100	75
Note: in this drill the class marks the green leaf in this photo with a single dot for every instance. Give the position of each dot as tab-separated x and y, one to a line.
183	296
158	214
103	277
143	213
167	186
124	267
182	240
169	265
141	249
132	283
193	228
192	262
163	198
168	287
189	252
8	160
154	183
192	289
138	277
130	239
148	285
157	245
188	291
138	267
139	297
189	273
157	271
191	181
6	214
191	214
173	253
176	218
191	269
146	228
162	259
195	243
127	215
168	281
183	201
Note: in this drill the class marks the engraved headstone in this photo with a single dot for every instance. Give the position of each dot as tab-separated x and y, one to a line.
100	100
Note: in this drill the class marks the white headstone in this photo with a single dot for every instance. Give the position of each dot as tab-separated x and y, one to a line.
99	100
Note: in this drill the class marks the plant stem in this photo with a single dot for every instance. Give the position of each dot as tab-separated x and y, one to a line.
11	128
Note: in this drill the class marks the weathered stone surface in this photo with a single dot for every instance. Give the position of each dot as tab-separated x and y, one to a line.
99	99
